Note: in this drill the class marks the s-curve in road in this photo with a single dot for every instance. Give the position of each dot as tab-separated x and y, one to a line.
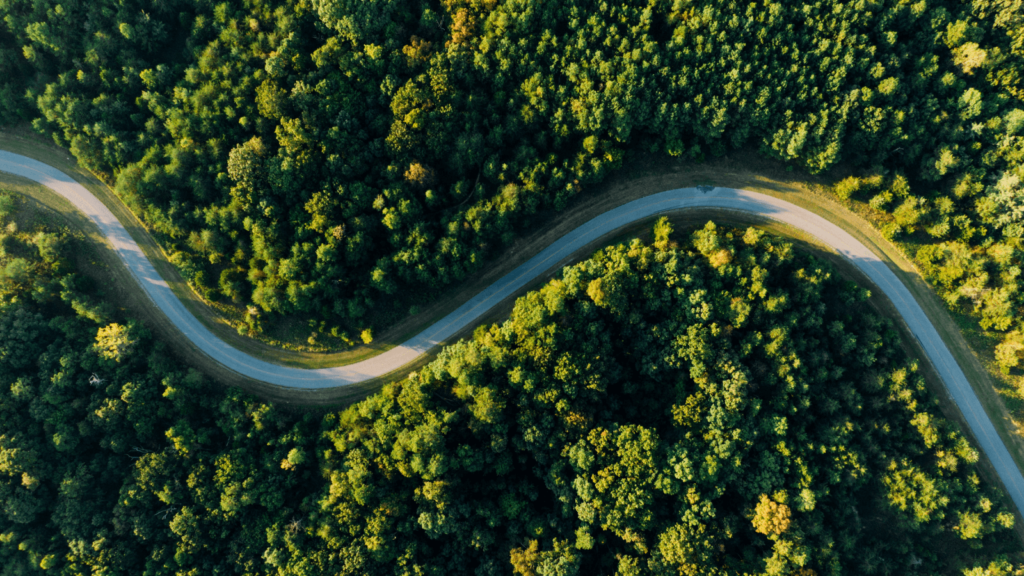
672	200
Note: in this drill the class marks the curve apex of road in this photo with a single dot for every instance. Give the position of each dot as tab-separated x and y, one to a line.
669	201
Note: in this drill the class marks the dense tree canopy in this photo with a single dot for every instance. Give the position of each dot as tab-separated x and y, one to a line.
317	157
726	406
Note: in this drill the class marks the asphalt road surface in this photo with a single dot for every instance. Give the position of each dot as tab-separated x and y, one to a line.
669	201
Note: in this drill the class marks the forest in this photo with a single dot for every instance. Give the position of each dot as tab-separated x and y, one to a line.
717	403
711	404
317	158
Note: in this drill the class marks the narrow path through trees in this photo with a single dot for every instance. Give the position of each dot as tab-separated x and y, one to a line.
673	200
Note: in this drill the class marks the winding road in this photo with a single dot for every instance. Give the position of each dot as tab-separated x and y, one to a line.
673	200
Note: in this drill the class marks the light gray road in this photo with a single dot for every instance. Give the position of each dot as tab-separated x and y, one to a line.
672	200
